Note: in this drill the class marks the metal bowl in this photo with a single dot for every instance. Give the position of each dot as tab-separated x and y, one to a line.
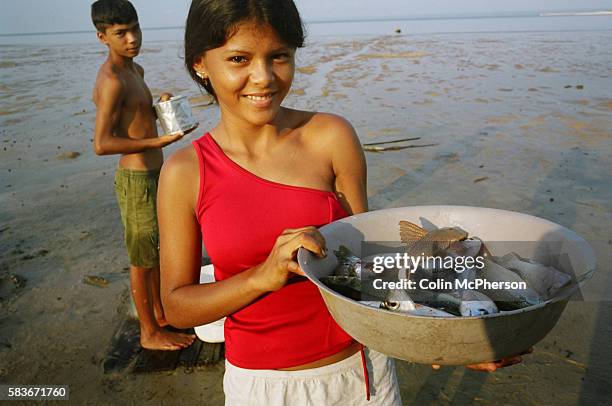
459	340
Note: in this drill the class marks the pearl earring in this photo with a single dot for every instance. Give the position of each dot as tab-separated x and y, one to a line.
204	78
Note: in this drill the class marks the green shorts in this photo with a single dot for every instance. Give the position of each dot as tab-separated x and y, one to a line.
136	192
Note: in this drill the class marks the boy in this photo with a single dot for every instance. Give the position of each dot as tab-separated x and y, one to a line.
125	124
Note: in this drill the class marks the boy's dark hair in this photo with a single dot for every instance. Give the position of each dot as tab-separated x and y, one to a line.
105	13
211	22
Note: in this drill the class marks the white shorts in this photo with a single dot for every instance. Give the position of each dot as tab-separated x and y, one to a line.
341	383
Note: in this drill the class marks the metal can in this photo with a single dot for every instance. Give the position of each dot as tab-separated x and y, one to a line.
175	115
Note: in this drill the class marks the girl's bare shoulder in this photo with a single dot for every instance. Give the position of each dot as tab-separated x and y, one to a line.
183	159
181	169
329	131
324	120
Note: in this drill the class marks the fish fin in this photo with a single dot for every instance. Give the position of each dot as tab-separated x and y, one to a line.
410	232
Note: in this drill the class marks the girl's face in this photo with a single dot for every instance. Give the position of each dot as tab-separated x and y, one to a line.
251	73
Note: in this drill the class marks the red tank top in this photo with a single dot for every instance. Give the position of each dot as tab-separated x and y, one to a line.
240	216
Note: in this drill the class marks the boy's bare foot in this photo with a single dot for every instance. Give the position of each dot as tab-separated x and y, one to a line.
163	339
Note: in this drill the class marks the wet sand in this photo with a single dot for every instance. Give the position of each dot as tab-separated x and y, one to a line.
521	122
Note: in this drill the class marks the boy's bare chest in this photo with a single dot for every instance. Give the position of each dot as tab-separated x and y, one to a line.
137	95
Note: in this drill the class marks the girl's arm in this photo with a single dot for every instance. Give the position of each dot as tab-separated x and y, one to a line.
348	164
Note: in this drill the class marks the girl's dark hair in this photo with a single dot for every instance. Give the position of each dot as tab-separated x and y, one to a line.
211	22
105	13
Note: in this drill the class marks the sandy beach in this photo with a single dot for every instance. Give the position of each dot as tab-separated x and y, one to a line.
516	121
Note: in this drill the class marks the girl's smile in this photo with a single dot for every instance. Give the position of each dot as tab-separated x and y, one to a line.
260	100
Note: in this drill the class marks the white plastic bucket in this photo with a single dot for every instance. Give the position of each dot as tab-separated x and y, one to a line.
211	332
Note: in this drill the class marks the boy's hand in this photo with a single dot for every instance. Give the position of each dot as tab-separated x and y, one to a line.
191	129
165	97
493	366
170	138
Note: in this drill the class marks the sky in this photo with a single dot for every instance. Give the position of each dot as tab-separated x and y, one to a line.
27	16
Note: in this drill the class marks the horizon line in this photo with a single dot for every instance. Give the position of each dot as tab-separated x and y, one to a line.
525	14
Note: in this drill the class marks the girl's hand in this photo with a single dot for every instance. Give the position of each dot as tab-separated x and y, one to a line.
493	366
281	263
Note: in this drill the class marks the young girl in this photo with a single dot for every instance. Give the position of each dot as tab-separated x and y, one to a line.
254	189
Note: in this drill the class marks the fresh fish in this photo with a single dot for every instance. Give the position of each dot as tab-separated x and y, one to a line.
543	279
464	303
435	243
484	251
475	303
506	299
349	264
372	303
369	269
469	247
419	309
428	243
422	310
349	286
542	282
398	300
